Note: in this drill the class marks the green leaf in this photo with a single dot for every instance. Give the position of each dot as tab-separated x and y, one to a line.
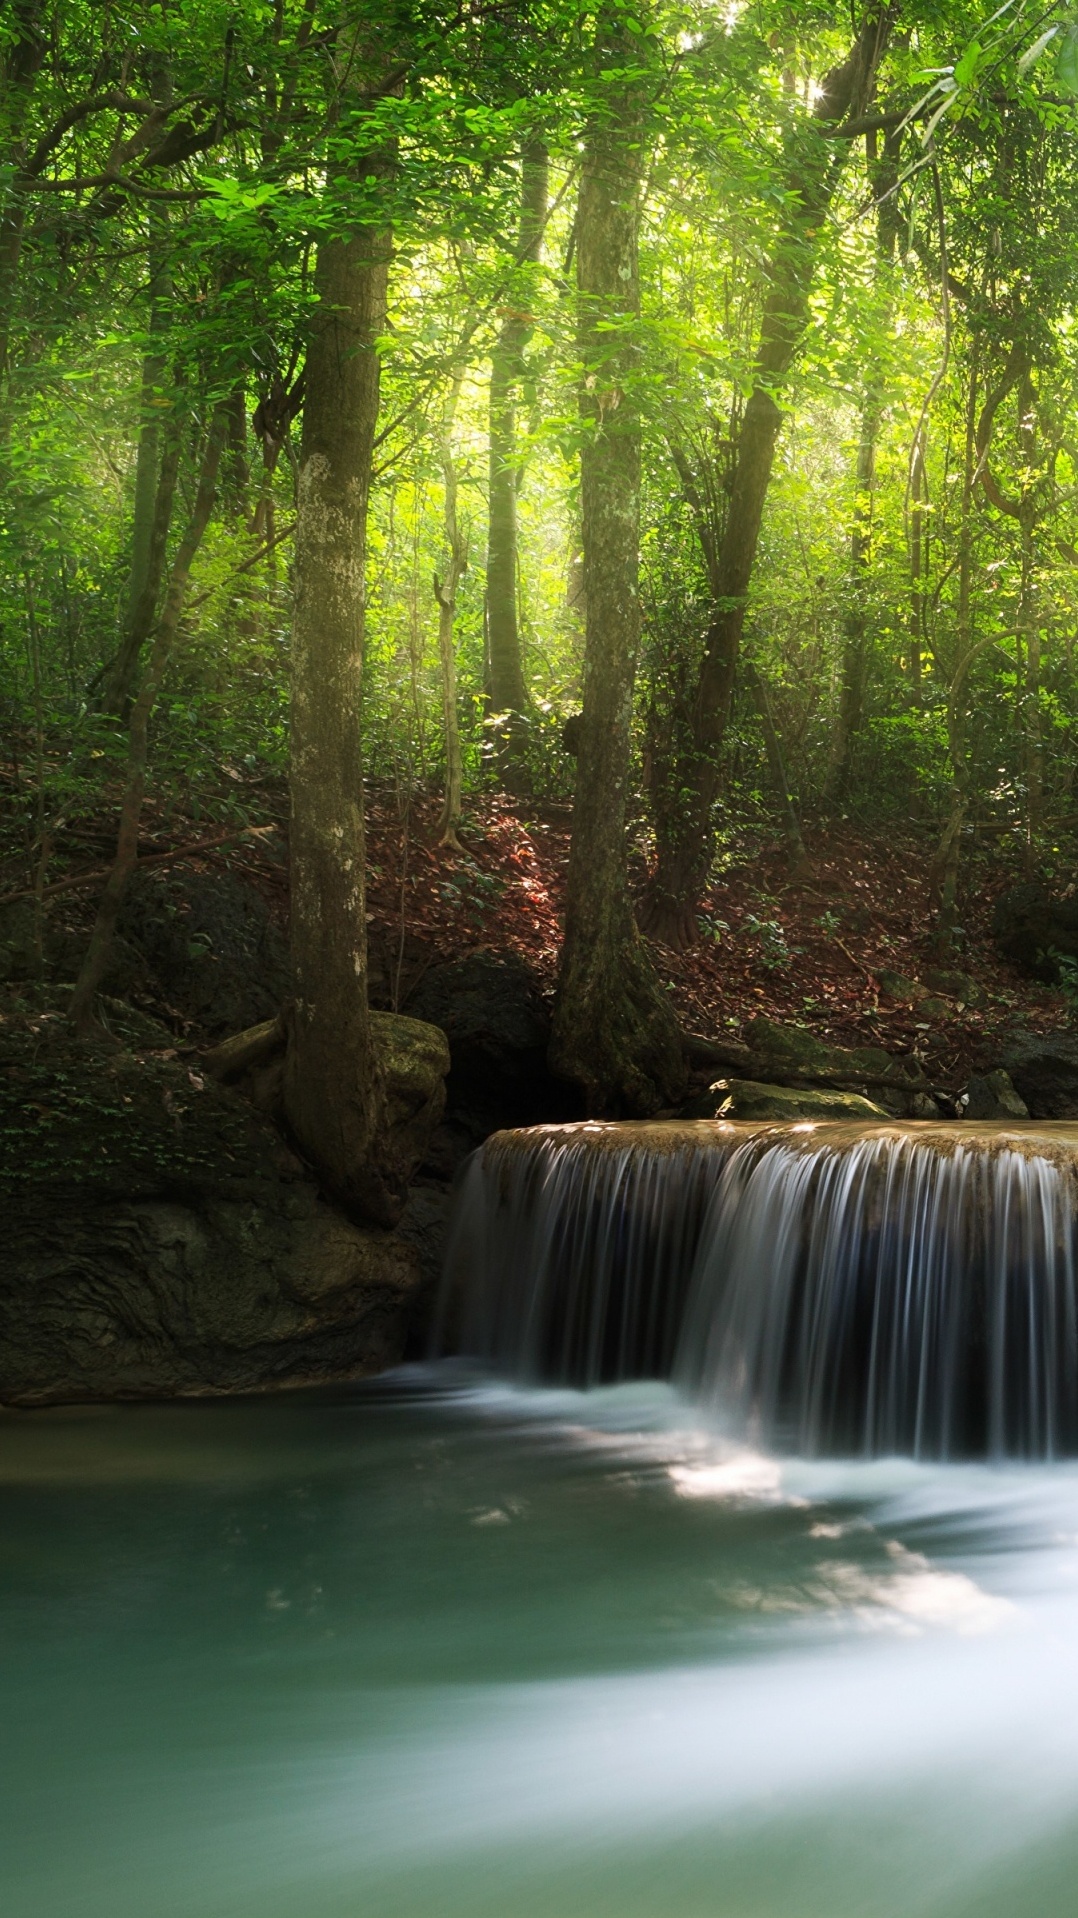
1067	60
966	67
1034	52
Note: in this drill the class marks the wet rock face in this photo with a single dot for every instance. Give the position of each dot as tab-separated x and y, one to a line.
991	1095
497	1022
210	945
1044	1072
159	1238
1034	931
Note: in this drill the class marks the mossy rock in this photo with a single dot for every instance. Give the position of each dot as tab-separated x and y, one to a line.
160	1238
414	1060
933	1007
955	985
900	988
798	1050
748	1099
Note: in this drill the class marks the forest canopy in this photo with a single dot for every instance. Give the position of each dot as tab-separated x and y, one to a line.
671	408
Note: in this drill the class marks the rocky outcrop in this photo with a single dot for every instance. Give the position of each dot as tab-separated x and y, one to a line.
991	1095
780	1053
159	1237
413	1059
210	945
497	1021
1034	931
1044	1071
746	1099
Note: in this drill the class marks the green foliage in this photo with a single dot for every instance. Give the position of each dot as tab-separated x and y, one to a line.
239	153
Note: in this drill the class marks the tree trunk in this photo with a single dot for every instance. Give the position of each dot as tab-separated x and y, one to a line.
445	592
945	866
22	60
813	170
776	763
156	467
97	954
918	569
506	687
854	684
614	1033
332	1090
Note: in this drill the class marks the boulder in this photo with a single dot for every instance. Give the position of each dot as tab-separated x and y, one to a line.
160	1239
210	945
1033	931
799	1049
496	1018
955	985
413	1058
899	988
1044	1072
991	1095
933	1007
747	1099
792	1051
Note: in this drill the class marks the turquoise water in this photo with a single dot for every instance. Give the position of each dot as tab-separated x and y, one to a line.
442	1648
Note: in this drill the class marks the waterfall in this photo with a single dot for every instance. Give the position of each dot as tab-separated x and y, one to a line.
825	1287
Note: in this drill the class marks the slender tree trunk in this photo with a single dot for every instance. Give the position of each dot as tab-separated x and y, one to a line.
1027	621
507	689
333	1096
918	569
813	169
22	60
119	686
776	763
614	1033
445	593
156	468
854	684
946	864
97	955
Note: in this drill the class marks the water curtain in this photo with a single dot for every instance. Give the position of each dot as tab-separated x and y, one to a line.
827	1287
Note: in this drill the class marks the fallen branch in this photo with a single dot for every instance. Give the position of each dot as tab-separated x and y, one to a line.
72	883
845	950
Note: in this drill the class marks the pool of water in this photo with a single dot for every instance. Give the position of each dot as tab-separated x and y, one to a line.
437	1647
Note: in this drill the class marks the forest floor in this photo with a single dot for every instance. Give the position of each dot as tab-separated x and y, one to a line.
808	952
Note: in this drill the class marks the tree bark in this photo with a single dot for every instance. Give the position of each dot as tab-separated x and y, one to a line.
19	69
333	1096
796	855
97	954
445	593
813	170
506	687
918	568
854	680
156	468
614	1031
944	872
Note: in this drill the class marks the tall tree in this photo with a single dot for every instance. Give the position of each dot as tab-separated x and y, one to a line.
813	166
614	1029
332	1090
506	687
851	708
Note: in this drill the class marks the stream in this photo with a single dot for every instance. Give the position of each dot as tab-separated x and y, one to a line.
437	1646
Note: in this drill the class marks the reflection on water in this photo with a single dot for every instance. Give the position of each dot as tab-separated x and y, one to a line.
432	1647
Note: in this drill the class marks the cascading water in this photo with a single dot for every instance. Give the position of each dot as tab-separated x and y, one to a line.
824	1287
